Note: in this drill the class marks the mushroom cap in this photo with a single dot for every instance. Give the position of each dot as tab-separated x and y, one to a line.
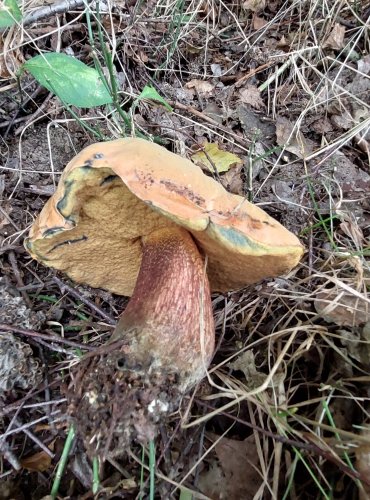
114	193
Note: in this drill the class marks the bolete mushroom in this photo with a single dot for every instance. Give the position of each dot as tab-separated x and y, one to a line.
133	218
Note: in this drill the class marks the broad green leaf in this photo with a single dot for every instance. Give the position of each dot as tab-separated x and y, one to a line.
149	92
212	157
70	79
9	13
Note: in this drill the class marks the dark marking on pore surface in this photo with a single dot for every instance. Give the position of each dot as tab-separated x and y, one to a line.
68	242
51	231
62	203
108	179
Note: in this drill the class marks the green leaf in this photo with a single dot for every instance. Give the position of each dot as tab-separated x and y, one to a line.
9	13
149	92
70	79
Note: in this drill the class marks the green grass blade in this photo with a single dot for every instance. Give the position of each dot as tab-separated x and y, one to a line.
62	463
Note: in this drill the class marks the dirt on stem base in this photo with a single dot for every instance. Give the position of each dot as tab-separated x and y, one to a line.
115	400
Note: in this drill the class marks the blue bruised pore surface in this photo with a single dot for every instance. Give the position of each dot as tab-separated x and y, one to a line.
235	238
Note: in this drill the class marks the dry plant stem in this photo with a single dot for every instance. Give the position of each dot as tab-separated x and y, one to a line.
75	293
48	338
161	347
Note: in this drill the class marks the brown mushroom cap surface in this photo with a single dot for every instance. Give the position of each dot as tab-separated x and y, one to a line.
114	193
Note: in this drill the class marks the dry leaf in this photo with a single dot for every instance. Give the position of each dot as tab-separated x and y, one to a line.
336	38
200	86
251	95
10	59
254	5
353	230
233	182
283	43
292	140
362	452
245	363
343	121
341	307
216	70
258	22
363	65
236	476
212	482
38	462
212	157
356	343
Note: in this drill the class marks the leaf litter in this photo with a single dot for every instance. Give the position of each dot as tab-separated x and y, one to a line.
281	105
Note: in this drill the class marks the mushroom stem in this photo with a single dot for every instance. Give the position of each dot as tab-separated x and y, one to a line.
161	347
168	320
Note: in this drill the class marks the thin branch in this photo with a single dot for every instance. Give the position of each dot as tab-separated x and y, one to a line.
49	338
55	8
75	293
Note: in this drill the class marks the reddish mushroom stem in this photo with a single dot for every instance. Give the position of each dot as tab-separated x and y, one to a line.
161	347
169	316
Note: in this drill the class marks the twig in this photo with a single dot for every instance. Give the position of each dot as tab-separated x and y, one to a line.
14	248
199	114
18	278
239	82
9	455
55	8
30	424
49	338
31	118
35	439
63	286
17	405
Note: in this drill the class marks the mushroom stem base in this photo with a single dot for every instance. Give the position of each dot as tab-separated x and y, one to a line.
160	348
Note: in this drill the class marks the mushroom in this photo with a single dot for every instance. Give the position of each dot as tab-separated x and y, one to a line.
133	218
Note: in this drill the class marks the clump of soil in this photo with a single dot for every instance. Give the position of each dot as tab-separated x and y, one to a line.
115	401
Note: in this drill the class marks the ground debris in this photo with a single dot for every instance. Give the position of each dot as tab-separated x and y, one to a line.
18	368
234	474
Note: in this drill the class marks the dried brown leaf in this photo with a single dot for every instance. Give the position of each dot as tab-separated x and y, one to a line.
252	96
10	59
335	40
233	182
363	65
236	476
38	462
341	307
353	231
200	86
258	22
254	5
292	140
